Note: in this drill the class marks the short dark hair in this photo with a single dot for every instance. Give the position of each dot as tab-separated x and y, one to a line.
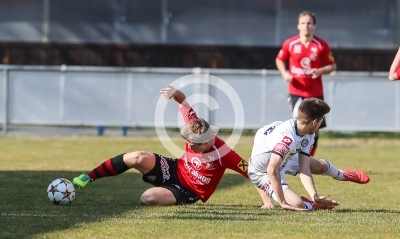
307	13
311	109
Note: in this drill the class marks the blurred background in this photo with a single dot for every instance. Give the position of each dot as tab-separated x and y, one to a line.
207	33
48	46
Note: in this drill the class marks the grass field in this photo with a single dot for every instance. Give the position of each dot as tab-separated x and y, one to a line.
109	208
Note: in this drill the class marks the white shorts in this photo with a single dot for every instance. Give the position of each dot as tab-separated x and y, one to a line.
260	177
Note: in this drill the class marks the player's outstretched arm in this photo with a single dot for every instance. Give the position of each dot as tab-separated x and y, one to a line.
267	202
169	92
393	68
308	183
274	176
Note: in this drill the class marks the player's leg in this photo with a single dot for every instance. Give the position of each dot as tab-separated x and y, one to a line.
169	194
324	167
294	102
157	196
140	160
292	197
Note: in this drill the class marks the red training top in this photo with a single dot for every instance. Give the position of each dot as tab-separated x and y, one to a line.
201	172
301	60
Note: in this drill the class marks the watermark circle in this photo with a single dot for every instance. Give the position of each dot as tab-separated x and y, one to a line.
204	98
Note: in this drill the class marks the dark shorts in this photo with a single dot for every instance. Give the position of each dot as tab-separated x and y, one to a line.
294	101
164	175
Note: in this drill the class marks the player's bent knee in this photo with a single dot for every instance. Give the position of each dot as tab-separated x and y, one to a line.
136	158
147	199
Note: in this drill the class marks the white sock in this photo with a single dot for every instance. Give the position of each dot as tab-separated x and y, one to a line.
333	171
308	205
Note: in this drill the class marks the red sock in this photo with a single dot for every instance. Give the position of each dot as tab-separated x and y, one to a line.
103	170
110	167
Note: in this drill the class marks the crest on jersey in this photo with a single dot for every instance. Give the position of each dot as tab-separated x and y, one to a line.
314	50
304	142
305	62
243	165
196	163
331	58
297	49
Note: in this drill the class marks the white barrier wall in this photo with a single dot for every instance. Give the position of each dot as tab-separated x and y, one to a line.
93	96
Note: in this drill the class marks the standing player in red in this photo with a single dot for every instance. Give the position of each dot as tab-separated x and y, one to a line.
309	58
193	176
394	72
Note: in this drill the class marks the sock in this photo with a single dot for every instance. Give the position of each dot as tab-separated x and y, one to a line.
308	206
333	171
110	167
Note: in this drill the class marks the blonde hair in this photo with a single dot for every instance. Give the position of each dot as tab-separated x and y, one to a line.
197	131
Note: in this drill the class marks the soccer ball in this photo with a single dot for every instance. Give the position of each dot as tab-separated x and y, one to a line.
61	191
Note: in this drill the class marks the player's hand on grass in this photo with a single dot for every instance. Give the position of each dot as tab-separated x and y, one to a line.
168	92
269	205
325	203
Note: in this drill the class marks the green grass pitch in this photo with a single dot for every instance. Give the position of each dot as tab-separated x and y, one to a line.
110	208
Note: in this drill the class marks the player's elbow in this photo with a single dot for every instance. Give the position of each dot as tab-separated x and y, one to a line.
392	77
334	67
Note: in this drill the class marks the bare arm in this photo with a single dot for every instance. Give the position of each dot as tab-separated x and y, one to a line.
323	70
275	179
396	61
267	202
308	183
306	176
280	65
169	92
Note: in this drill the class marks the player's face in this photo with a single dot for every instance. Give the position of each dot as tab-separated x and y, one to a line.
198	148
306	25
315	125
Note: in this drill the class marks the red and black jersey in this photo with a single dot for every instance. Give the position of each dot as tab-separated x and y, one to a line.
202	172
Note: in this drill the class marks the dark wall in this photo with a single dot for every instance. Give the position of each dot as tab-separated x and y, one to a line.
234	57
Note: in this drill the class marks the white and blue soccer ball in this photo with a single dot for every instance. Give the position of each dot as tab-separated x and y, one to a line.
61	191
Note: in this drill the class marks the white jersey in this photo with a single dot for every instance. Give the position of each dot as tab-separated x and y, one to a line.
280	138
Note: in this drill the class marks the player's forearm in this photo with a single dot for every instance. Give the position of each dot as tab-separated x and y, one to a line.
179	97
280	65
394	66
308	183
264	197
275	179
327	69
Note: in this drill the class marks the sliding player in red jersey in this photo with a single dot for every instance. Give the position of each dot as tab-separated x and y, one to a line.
193	176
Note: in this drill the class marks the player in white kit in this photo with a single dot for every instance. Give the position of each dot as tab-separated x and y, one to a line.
317	167
275	145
